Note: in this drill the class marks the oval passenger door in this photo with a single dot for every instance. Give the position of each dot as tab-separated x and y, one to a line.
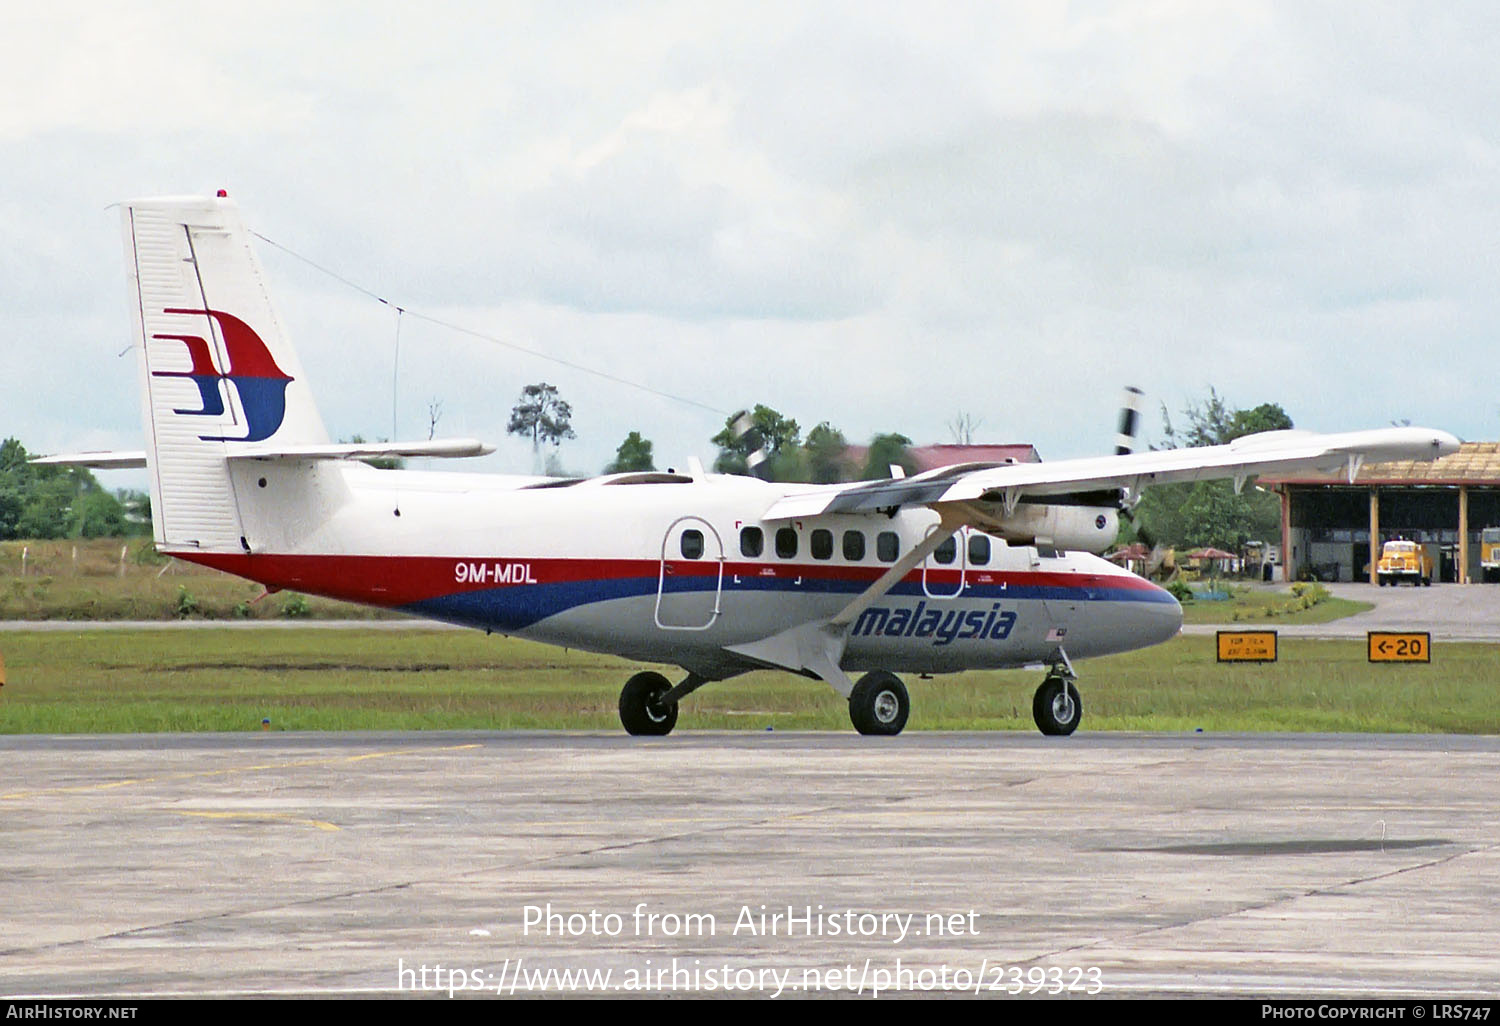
690	580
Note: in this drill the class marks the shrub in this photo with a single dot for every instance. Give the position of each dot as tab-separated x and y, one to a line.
1180	591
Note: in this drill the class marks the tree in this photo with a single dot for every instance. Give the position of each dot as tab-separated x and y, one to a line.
98	514
542	415
886	450
137	507
634	454
1212	422
963	428
15	479
51	501
827	455
1209	512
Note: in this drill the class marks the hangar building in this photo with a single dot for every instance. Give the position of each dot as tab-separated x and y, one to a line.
1334	529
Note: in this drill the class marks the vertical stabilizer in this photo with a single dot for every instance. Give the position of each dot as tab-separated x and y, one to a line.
218	369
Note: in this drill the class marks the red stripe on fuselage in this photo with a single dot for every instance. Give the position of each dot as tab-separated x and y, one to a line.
403	580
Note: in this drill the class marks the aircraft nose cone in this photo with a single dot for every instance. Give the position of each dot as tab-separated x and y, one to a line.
1158	620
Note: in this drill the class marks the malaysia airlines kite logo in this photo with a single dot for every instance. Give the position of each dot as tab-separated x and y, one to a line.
251	372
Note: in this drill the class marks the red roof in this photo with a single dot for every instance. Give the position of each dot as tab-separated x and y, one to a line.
930	457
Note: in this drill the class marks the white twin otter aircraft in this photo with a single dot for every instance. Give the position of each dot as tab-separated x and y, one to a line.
979	566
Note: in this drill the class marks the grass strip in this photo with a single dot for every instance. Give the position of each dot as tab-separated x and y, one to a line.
221	680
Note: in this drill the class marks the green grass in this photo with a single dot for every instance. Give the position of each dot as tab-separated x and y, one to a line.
124	579
136	681
1257	608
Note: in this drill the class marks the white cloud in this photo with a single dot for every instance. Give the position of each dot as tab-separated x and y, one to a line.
877	215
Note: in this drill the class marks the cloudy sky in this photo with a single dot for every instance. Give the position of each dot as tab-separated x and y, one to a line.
879	215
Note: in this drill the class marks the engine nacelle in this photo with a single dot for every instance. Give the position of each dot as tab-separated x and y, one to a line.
1073	528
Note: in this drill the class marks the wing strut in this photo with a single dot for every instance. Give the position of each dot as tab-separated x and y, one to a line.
816	647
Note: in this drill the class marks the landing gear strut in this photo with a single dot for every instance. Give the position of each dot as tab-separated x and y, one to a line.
644	708
879	704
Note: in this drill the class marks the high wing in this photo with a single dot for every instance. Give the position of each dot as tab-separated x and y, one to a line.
1006	484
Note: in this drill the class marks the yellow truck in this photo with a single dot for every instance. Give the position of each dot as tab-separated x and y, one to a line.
1404	561
1489	553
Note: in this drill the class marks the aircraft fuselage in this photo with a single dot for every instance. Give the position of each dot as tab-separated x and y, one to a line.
676	571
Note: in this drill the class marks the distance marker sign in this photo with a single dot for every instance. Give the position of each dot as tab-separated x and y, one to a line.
1399	646
1246	646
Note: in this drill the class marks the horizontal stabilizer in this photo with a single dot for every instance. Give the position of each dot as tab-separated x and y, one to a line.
448	448
94	460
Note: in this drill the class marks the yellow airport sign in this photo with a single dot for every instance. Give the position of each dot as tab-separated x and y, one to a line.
1247	646
1399	646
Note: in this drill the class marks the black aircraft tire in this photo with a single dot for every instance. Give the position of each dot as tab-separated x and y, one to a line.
879	704
640	712
1054	716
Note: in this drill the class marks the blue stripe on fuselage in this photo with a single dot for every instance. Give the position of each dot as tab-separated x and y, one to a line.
520	606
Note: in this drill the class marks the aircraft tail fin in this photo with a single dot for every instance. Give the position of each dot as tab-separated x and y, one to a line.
218	370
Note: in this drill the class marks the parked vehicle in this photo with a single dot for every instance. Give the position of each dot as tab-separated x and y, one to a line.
1489	553
1404	561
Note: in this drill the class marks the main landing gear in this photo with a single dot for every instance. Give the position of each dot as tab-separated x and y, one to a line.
879	704
648	702
642	710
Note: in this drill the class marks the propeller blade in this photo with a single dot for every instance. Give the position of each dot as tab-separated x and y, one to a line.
1130	419
746	431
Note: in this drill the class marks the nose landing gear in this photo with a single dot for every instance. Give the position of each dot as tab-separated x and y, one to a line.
1056	707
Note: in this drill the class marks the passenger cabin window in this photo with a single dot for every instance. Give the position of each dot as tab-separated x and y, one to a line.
946	552
752	542
821	544
854	546
979	549
887	546
692	544
786	542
